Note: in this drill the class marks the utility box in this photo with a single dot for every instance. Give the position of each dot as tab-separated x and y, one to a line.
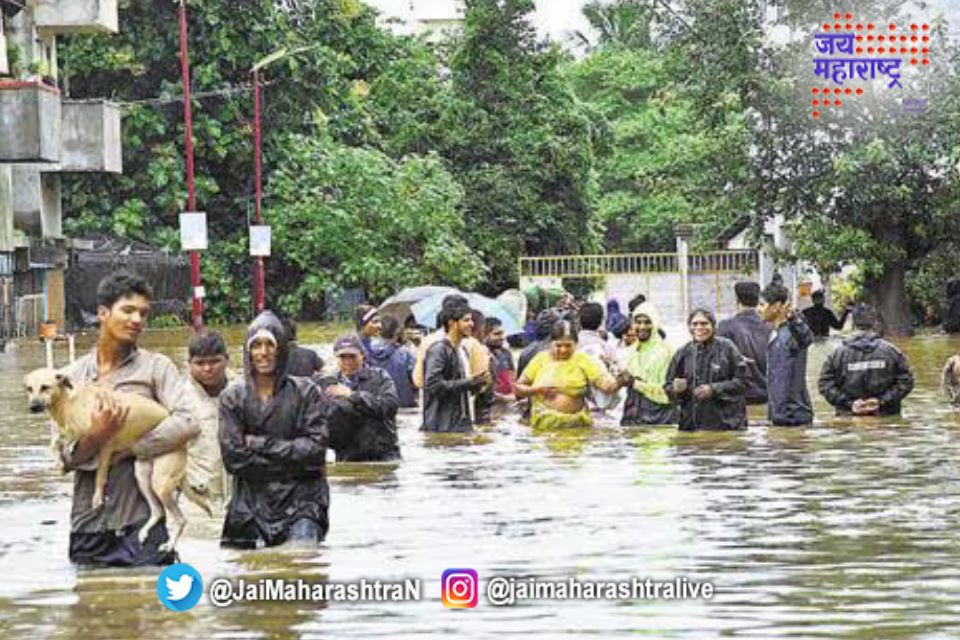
76	16
91	137
30	122
36	202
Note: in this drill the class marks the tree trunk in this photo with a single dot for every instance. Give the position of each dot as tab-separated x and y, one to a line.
888	294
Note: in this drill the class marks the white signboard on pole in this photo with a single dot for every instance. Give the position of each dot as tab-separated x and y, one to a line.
193	231
260	241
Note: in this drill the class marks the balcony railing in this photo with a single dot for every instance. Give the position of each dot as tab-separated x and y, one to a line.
596	266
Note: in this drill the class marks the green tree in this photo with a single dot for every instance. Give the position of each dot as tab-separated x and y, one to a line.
662	163
518	142
623	22
349	217
869	184
326	84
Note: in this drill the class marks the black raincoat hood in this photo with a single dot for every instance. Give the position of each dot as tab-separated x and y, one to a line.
866	342
269	321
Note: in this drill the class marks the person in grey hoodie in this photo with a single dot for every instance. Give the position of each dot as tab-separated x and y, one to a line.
866	375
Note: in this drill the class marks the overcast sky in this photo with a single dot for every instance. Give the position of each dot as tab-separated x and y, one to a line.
554	18
558	18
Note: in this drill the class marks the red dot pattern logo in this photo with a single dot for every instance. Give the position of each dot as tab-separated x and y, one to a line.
848	25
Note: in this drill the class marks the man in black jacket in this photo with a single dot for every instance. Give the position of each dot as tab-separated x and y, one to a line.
446	384
751	334
363	406
866	375
786	360
820	319
273	437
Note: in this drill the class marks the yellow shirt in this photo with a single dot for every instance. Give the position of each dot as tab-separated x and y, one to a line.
570	377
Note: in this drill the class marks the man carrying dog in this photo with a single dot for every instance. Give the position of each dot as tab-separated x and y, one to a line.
107	535
273	438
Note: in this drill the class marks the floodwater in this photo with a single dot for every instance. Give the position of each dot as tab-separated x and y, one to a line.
841	530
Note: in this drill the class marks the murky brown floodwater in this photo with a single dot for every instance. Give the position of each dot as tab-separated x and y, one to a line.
836	531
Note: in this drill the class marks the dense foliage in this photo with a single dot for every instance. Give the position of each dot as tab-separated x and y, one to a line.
390	161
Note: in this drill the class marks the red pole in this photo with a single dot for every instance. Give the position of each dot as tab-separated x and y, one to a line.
259	284
188	144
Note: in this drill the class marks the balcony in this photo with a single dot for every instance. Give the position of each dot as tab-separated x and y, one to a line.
91	137
30	121
76	16
36	202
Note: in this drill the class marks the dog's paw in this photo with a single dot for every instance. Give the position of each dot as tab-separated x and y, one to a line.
166	547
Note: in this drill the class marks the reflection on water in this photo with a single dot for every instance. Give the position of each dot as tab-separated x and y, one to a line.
847	529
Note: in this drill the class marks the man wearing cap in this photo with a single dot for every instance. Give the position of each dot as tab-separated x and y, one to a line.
447	384
362	413
750	333
866	375
273	438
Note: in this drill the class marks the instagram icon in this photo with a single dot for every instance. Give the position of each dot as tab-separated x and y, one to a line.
459	588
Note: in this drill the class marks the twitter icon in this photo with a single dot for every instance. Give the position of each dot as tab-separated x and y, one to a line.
179	587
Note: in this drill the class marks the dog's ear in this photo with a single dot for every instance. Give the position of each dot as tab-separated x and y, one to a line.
64	381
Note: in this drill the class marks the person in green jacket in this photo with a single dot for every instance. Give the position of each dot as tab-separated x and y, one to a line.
647	402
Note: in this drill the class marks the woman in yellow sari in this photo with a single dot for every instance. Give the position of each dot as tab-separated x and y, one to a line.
558	380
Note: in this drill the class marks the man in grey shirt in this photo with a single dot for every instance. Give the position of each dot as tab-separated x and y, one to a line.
107	535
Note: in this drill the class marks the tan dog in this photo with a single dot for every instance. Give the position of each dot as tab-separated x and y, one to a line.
158	478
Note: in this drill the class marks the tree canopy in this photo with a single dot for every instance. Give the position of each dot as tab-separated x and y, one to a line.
390	161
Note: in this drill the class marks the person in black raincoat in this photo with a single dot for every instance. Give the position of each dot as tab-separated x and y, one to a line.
447	387
866	375
362	413
789	404
751	334
707	379
273	438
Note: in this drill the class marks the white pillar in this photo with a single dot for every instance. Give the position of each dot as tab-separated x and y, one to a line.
683	264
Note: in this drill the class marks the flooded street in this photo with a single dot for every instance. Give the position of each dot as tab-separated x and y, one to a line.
842	530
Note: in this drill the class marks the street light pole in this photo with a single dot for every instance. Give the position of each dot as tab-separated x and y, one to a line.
259	282
188	144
